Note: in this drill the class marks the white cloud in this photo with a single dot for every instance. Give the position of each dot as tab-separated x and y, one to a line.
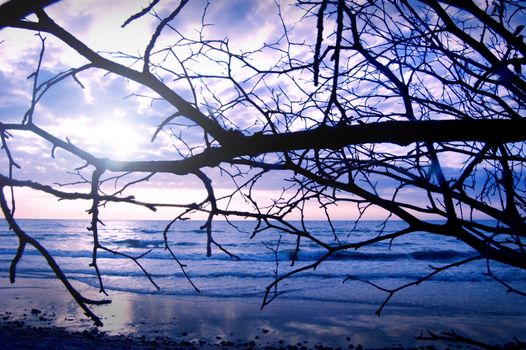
100	119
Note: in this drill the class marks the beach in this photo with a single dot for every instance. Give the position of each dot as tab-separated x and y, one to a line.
314	309
38	313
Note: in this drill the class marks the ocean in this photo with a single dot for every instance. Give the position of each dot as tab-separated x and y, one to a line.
460	290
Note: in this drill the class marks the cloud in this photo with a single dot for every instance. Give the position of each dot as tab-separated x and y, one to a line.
113	117
15	98
98	23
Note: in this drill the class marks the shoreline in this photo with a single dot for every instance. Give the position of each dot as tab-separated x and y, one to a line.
36	308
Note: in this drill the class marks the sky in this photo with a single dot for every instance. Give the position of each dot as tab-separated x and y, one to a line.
112	117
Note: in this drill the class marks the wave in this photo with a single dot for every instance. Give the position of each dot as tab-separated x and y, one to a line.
440	255
139	243
134	272
137	246
427	255
197	230
151	232
262	277
186	244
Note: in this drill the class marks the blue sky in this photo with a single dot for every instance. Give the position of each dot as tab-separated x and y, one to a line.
115	118
103	117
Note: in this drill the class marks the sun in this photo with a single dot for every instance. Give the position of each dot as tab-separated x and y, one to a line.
117	140
114	137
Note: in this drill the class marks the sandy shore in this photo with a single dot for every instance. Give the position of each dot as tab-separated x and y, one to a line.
38	313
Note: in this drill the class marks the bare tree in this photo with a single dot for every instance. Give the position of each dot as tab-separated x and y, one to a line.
359	93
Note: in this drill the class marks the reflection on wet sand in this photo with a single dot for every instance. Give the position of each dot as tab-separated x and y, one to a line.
239	321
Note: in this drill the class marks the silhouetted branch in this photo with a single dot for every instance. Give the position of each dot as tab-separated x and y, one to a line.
14	10
28	117
135	259
140	13
94	228
26	239
181	265
274	251
457	338
155	36
509	288
393	291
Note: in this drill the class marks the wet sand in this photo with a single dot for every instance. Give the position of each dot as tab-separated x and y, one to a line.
38	313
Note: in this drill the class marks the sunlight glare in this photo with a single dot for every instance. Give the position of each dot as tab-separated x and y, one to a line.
116	140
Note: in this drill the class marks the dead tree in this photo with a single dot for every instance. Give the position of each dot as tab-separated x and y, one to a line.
357	93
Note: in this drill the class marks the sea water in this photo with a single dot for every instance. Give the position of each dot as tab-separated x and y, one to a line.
268	254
